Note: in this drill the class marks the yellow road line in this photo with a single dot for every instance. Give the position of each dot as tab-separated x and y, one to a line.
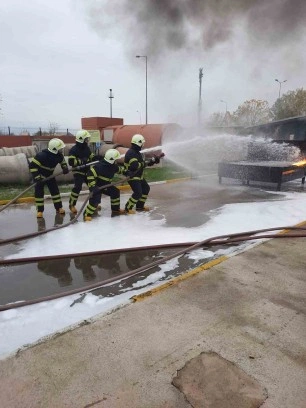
180	278
124	187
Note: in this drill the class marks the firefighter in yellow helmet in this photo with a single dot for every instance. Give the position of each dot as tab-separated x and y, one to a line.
79	155
135	163
100	175
43	166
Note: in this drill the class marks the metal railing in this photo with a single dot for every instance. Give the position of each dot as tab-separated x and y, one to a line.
36	131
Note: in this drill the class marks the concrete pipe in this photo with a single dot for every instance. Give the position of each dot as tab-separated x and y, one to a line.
14	169
67	147
122	150
29	151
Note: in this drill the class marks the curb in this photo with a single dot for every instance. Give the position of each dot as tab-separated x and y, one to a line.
203	267
123	187
180	278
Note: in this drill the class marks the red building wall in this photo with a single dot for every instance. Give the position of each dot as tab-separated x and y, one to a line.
99	123
15	141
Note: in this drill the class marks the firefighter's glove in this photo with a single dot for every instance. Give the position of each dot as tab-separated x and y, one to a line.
157	159
151	162
83	162
65	170
128	173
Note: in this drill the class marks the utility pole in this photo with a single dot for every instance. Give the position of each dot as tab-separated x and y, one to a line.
111	103
200	96
146	58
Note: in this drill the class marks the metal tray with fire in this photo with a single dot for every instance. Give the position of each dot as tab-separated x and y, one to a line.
263	171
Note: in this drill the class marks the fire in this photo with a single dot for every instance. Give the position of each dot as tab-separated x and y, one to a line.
300	163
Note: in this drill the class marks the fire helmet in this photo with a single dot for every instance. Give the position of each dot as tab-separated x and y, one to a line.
111	156
55	145
82	135
138	140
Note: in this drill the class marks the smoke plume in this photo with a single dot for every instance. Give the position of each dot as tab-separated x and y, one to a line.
159	26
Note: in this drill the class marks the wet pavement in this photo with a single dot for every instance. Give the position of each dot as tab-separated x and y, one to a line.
182	204
232	336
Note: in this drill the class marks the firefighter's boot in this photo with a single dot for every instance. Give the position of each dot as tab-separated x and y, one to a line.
115	213
73	209
143	209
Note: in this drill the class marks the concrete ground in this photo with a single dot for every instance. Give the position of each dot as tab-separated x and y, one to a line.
230	336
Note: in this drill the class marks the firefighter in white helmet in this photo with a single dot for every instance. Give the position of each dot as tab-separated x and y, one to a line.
99	175
41	167
135	163
79	155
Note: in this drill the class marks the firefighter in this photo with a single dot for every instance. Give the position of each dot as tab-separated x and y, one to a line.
135	163
79	155
41	167
100	175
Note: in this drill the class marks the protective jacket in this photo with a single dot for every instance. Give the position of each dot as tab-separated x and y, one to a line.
134	162
102	173
80	154
44	163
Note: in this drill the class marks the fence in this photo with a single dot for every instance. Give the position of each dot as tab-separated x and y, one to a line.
37	131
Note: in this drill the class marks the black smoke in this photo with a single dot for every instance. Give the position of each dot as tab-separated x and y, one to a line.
160	26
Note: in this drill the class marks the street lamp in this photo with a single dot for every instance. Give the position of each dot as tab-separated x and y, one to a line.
146	58
111	96
280	86
225	105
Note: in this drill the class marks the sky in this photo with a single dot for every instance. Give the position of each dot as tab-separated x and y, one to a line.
28	325
59	58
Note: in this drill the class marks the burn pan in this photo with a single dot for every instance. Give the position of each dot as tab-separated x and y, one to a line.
266	172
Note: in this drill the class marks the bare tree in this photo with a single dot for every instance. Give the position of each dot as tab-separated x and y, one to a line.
53	128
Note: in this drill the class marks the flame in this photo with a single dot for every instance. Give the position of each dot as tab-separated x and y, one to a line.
300	163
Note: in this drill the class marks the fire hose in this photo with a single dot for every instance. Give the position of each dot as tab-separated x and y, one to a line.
217	240
45	179
34	234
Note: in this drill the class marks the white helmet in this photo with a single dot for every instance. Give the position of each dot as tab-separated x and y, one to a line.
82	135
55	145
111	156
138	140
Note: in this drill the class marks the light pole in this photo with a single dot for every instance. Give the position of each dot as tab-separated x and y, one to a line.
280	86
146	58
111	96
200	96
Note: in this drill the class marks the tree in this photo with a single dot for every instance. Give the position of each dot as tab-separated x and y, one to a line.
252	112
216	119
53	128
292	103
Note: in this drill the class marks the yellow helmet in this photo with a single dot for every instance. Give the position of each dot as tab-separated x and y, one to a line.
111	155
82	135
138	140
55	145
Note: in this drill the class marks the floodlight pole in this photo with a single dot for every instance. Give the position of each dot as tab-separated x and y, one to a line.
146	58
200	95
111	96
